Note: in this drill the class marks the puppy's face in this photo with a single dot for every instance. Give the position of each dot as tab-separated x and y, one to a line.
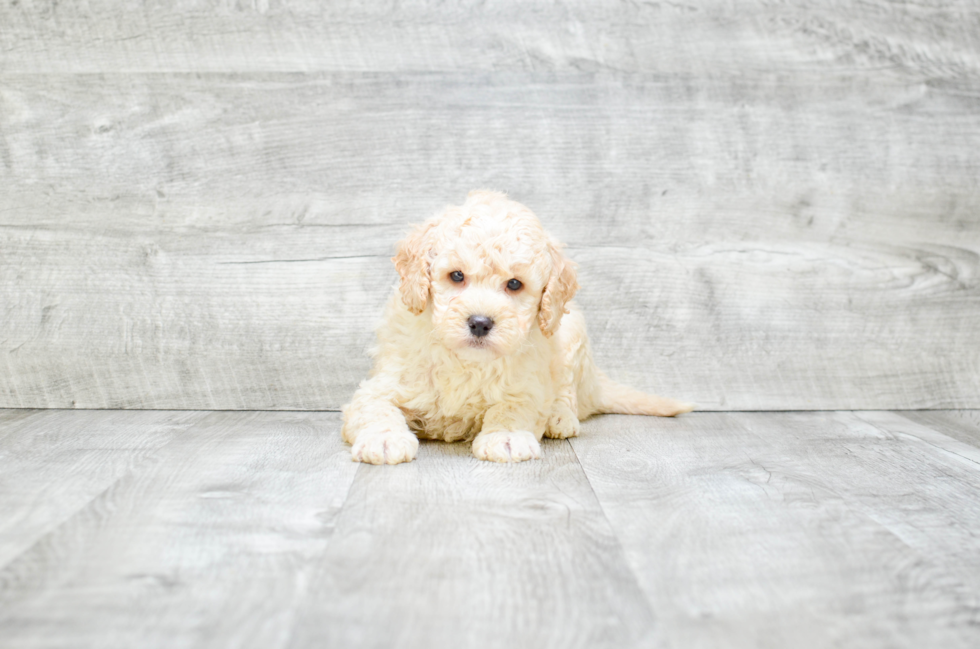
485	296
490	273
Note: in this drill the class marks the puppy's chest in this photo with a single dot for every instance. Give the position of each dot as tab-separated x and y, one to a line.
448	429
451	405
451	414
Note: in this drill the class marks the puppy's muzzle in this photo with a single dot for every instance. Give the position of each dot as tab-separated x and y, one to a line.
480	325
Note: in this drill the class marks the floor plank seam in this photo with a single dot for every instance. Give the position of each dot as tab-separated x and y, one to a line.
927	442
54	529
612	530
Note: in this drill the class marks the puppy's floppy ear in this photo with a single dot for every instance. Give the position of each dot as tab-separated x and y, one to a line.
561	287
412	263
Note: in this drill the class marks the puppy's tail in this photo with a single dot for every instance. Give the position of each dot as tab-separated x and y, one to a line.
614	398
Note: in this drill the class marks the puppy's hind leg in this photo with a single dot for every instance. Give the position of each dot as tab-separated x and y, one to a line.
376	429
563	421
572	354
594	392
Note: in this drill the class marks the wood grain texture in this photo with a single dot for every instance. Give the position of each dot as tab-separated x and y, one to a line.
177	321
226	287
235	536
794	529
42	36
449	551
55	463
209	321
642	158
254	529
773	204
962	425
208	545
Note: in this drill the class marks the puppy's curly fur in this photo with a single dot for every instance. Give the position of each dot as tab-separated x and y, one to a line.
465	352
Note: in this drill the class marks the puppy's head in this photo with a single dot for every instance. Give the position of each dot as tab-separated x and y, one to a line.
487	273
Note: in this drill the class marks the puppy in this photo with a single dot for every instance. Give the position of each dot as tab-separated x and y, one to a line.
480	342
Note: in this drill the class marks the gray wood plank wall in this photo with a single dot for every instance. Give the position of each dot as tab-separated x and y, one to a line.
773	204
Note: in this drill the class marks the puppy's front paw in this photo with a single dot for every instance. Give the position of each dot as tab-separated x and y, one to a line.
563	422
506	446
385	448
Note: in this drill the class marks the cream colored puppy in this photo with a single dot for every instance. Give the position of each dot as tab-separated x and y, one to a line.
481	342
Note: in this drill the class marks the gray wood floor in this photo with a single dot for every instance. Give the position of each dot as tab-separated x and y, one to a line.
254	529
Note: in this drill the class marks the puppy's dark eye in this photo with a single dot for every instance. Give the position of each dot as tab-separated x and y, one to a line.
514	285
456	276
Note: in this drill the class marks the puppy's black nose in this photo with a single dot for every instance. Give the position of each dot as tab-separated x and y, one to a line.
480	325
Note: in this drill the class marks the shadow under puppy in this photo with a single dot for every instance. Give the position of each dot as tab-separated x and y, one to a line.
481	342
